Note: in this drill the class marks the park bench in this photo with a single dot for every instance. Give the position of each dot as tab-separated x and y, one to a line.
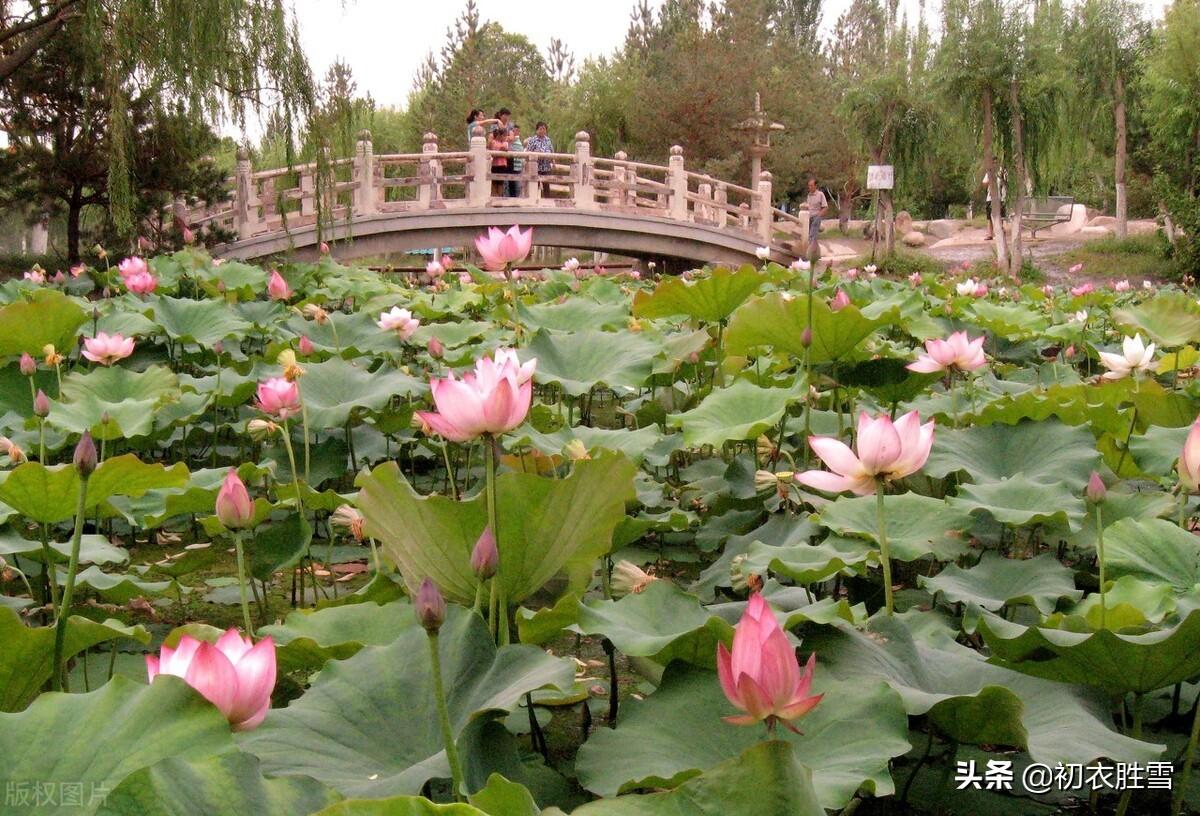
1046	211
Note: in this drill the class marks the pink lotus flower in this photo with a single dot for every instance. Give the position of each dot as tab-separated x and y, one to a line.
78	269
133	265
277	287
956	353
1189	460
886	450
305	345
635	274
434	269
464	278
188	235
1048	290
1082	289
324	248
234	508
398	320
1076	269
840	301
59	277
234	674
762	676
493	399
107	349
278	397
852	273
915	278
141	283
447	262
144	243
1121	286
36	276
435	348
981	290
498	249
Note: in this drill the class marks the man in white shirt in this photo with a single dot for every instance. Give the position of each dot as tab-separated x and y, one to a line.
818	208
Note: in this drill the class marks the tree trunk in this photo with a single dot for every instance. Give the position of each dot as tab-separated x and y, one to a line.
1119	158
1015	257
845	208
989	167
889	220
74	211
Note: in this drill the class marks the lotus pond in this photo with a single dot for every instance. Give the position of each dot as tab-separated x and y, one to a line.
316	539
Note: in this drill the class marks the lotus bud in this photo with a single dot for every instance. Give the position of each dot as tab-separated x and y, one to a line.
435	348
100	252
324	248
806	337
306	346
85	455
28	364
41	404
219	348
576	450
485	558
1096	491
430	606
234	508
630	579
188	236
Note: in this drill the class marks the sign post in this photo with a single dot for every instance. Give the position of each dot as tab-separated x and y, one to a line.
879	177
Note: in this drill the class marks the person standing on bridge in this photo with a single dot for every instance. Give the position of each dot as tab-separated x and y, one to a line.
818	208
540	143
475	117
518	164
498	143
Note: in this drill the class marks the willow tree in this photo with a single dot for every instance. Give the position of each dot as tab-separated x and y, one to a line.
214	59
1108	39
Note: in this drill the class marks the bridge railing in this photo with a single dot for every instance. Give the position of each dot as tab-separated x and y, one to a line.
268	201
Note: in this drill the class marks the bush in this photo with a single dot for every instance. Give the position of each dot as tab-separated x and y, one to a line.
901	264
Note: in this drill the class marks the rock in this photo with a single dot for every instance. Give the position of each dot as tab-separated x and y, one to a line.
913	238
1079	219
1096	232
903	223
1104	221
943	227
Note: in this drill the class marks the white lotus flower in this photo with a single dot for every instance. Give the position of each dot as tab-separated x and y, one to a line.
800	265
1134	357
1081	316
967	287
570	265
763	253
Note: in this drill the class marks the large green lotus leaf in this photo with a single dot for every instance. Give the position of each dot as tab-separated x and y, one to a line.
997	581
634	444
1153	549
501	796
49	494
99	738
353	334
226	783
279	545
1171	319
1075	404
916	525
1141	505
806	563
1160	406
778	321
48	318
779	530
992	453
235	275
308	638
573	314
1020	500
741	411
581	360
662	622
453	335
888	379
1157	450
334	388
93	549
765	779
114	588
129	398
25	660
333	733
400	806
711	299
545	526
197	321
975	702
1012	321
1117	663
677	732
198	495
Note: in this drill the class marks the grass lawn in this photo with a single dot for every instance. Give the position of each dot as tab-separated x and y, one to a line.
1136	257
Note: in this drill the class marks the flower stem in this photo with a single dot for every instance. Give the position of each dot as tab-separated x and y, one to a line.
439	692
48	573
1189	755
304	426
64	609
449	471
1100	560
1128	436
1127	794
500	602
287	444
241	568
885	560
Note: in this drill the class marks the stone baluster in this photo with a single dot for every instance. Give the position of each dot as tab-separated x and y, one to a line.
721	197
677	208
620	195
430	171
479	188
764	214
704	211
308	192
744	216
631	184
365	199
245	204
531	189
581	173
266	194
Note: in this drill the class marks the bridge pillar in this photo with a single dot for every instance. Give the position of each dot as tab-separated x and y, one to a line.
703	210
620	193
585	187
721	198
245	207
677	182
479	189
364	174
762	207
430	190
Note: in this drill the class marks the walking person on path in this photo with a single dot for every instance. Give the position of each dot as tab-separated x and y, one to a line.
818	208
1002	187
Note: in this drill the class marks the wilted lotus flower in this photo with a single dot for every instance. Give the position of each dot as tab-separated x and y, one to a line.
1134	357
493	399
234	508
840	301
234	674
317	314
279	397
1189	460
348	518
133	265
498	249
107	349
762	676
886	451
630	579
277	287
956	353
1121	286
400	321
1082	289
12	450
141	283
762	253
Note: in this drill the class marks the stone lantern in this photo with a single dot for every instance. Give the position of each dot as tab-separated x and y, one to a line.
760	128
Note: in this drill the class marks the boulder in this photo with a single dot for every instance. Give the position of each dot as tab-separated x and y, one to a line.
903	222
913	239
943	227
1104	221
1079	220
